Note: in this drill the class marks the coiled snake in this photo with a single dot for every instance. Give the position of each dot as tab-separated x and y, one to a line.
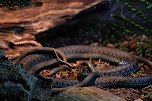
39	58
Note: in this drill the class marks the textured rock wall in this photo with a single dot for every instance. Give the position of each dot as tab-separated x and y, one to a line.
16	84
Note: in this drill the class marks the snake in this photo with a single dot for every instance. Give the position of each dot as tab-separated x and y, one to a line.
34	61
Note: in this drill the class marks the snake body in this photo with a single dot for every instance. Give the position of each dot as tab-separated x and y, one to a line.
108	78
38	60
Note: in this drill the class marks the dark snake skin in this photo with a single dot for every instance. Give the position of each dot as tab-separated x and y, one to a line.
108	78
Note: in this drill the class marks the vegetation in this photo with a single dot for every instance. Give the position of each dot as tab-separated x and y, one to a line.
132	35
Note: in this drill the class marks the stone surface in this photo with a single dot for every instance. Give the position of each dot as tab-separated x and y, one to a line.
86	94
35	19
19	26
16	84
13	44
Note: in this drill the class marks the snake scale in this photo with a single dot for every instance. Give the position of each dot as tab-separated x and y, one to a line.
38	59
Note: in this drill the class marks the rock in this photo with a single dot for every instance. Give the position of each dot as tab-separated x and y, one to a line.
86	94
13	44
18	27
36	19
16	84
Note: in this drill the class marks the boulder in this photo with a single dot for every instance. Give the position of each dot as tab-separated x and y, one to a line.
86	94
16	84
